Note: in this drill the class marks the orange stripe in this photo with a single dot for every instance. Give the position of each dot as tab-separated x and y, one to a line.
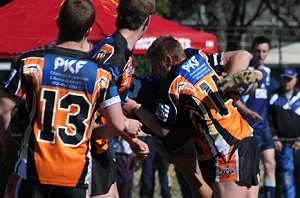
126	77
36	74
227	169
234	124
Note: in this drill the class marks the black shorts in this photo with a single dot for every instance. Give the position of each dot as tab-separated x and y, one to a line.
239	164
103	173
19	187
207	170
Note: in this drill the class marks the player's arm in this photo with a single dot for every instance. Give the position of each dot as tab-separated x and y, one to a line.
235	61
232	68
10	147
230	62
12	90
116	124
139	147
145	116
6	107
252	115
242	91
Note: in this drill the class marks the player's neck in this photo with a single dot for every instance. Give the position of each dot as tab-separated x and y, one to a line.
260	66
86	46
71	45
131	36
75	45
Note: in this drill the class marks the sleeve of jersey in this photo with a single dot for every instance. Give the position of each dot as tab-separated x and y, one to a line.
216	62
166	113
108	93
13	84
113	99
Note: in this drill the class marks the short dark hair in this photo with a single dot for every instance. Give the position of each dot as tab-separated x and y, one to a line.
260	40
75	18
132	13
165	45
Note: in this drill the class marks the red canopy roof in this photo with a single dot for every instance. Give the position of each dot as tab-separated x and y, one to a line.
27	24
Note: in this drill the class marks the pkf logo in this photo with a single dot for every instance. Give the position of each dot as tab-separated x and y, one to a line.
71	65
191	64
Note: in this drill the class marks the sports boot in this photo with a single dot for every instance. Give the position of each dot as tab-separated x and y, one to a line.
239	79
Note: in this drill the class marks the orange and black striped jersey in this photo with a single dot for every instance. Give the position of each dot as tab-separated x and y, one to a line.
191	88
62	87
114	53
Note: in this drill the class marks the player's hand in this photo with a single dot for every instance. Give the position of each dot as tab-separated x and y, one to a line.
253	116
132	127
140	148
10	152
223	74
296	145
130	106
278	145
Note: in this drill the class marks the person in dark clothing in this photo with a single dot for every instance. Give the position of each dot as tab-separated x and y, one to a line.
284	116
144	90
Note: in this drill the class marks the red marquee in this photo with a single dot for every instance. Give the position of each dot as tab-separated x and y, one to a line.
27	24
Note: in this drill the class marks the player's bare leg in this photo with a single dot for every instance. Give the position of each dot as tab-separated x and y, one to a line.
230	189
234	189
253	191
185	160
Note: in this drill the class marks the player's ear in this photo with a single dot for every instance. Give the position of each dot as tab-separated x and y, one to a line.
88	32
147	22
148	19
168	60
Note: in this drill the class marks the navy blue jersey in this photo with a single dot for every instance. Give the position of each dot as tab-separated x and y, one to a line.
145	90
259	100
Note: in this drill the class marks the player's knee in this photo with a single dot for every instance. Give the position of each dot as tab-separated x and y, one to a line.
270	165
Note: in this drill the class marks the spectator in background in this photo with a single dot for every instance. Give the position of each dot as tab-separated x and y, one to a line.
154	162
124	166
284	116
254	109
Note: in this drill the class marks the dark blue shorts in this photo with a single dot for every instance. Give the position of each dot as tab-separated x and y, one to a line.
264	139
